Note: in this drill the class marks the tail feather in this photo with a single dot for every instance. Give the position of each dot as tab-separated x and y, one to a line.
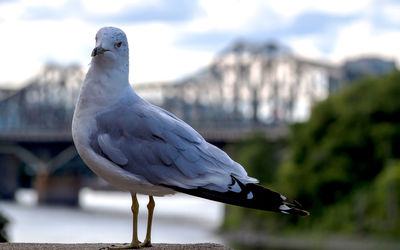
251	196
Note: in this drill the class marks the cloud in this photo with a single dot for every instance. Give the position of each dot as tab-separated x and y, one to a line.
306	46
118	12
171	38
308	23
154	55
316	26
326	29
360	38
160	11
34	43
291	9
387	16
5	1
207	41
238	16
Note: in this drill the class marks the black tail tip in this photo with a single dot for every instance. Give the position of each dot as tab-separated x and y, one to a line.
293	210
292	207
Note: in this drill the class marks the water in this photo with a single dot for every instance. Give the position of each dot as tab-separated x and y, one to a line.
105	217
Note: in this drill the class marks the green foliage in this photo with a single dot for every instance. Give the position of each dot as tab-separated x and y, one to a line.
3	223
344	163
345	144
373	209
382	212
260	157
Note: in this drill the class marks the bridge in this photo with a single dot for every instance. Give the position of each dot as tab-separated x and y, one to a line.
246	88
35	137
36	147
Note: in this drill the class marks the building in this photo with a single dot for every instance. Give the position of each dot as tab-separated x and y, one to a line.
366	66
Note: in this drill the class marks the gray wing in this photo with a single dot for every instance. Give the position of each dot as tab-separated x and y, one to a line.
153	143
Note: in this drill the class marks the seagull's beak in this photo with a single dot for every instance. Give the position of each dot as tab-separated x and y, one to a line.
98	50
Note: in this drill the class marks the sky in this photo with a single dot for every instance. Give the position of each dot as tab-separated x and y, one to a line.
170	39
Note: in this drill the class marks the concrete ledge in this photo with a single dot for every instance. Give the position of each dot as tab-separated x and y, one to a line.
96	246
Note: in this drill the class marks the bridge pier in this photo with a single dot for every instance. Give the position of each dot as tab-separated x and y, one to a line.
57	189
9	176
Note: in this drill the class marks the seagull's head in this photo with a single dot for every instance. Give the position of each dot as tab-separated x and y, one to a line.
111	45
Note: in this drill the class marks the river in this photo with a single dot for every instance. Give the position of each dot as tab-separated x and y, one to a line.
105	216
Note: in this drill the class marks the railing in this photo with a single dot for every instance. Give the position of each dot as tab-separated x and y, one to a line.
213	134
35	136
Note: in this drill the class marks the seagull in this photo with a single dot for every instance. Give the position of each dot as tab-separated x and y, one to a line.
142	148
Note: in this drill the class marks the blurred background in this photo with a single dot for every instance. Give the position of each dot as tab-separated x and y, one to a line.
304	94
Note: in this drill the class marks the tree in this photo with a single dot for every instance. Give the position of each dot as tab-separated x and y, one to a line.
346	142
344	163
338	154
3	224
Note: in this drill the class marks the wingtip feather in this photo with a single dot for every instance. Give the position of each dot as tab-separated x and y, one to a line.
299	212
292	207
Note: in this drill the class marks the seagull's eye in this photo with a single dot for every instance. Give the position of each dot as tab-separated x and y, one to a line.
118	44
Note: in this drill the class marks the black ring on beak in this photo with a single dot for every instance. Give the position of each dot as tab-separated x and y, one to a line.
94	52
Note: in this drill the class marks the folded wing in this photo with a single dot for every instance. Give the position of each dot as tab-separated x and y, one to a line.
150	142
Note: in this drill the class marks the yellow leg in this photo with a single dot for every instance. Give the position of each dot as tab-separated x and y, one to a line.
135	242
150	207
135	211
